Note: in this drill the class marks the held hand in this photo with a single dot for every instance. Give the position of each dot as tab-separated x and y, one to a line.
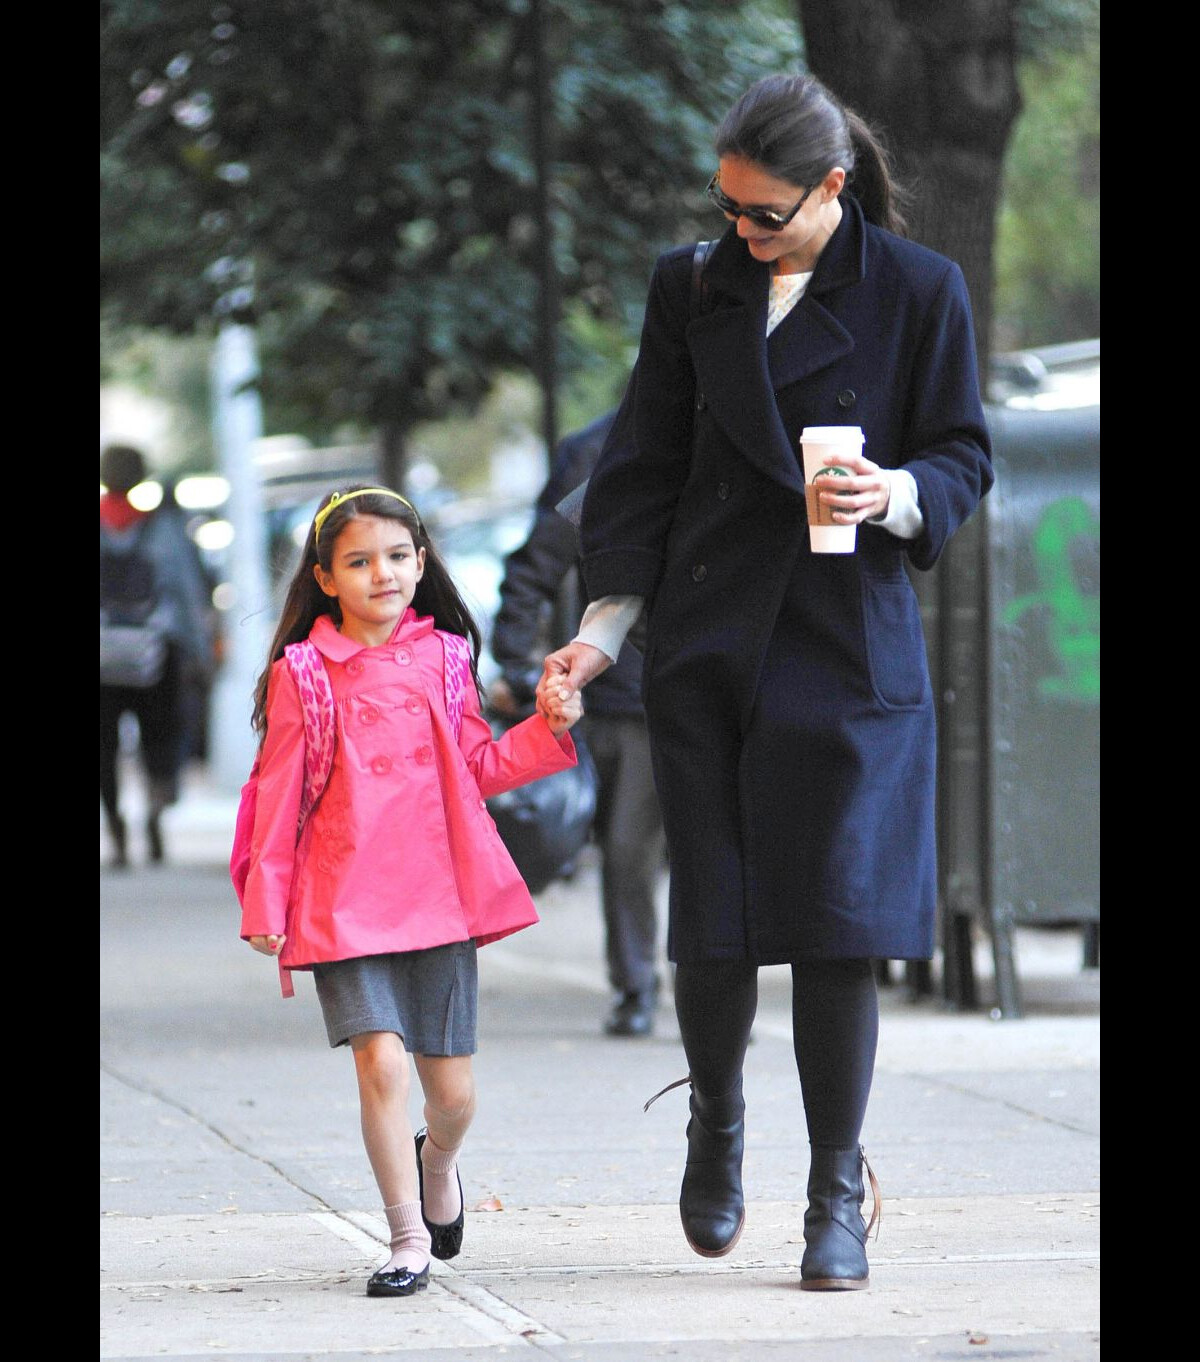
268	945
566	672
564	713
863	495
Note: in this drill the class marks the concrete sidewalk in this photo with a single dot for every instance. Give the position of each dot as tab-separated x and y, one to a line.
239	1218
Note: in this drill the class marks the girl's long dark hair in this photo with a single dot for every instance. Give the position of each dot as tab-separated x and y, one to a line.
795	129
305	602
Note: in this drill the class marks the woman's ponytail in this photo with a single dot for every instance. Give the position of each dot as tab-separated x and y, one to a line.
871	181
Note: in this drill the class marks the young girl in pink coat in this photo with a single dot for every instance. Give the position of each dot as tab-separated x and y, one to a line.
398	873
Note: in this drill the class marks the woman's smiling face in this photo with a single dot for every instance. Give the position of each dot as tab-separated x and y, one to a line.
796	247
373	573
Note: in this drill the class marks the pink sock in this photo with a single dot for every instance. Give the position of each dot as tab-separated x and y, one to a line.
440	1177
410	1238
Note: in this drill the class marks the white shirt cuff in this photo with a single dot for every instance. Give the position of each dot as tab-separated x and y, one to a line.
903	517
606	622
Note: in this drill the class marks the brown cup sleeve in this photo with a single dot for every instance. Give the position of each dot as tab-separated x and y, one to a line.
818	512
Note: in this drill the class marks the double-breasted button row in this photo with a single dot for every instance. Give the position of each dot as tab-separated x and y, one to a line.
699	572
404	657
381	765
423	756
846	398
369	715
414	704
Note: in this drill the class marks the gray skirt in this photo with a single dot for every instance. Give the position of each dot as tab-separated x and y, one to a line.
429	998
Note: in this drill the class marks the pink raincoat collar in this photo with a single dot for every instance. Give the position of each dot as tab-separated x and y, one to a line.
338	648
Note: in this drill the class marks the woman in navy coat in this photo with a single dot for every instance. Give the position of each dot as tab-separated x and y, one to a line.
787	694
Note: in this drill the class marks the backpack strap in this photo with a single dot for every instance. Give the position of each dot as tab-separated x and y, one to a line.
320	732
456	673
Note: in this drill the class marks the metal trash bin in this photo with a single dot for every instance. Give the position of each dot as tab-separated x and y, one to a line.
1015	653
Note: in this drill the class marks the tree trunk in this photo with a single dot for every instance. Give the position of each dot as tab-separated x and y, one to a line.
937	79
393	454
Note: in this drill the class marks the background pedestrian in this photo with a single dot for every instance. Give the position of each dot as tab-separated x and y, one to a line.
539	608
156	611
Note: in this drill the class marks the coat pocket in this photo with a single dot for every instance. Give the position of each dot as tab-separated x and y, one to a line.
895	643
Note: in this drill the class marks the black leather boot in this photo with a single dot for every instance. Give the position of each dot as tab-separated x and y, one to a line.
711	1205
835	1237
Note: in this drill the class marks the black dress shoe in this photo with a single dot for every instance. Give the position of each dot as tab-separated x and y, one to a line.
397	1281
632	1016
445	1241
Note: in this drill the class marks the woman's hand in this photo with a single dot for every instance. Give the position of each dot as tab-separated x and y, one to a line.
863	495
268	945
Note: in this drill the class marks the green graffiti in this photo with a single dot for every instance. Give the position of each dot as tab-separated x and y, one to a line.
1072	617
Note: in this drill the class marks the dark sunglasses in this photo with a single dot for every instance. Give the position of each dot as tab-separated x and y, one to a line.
766	218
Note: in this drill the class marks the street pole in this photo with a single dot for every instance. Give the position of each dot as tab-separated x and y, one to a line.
248	623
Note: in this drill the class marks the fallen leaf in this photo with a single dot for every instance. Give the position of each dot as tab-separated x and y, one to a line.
491	1203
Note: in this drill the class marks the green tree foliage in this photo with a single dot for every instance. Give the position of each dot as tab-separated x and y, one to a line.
1048	235
356	176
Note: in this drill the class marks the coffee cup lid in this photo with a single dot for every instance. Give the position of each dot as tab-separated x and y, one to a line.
832	434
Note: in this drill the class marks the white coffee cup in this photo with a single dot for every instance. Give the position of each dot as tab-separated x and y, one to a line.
818	444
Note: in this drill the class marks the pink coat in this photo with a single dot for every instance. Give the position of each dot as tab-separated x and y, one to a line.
400	853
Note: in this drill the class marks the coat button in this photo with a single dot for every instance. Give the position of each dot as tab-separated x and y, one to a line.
381	765
723	491
354	666
846	397
701	401
370	715
699	572
424	755
403	657
414	704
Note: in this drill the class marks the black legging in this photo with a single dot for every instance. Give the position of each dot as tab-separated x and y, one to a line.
835	1028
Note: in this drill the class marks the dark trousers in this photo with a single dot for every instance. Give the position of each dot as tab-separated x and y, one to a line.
162	732
629	833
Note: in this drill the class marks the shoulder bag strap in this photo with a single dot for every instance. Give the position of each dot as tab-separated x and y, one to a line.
698	300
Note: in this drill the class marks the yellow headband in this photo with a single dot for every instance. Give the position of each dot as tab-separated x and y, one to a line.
339	497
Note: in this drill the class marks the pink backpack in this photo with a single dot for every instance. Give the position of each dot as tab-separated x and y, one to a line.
320	733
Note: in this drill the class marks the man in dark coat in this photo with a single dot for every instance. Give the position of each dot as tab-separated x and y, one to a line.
538	596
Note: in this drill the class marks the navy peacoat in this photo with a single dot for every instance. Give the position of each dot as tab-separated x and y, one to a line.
787	693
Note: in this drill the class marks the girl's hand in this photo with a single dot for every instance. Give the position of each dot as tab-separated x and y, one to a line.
561	709
864	495
268	945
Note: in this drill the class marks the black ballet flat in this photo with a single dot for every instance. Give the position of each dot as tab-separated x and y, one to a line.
397	1281
445	1241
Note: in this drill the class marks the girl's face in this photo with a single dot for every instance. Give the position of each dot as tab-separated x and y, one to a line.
795	249
374	571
